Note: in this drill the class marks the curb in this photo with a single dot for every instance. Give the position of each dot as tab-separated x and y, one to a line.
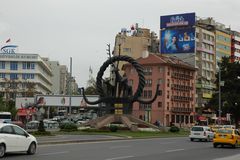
81	141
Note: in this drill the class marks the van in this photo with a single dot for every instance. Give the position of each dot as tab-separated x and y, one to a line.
201	133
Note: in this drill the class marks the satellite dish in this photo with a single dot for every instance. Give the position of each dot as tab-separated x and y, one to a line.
145	54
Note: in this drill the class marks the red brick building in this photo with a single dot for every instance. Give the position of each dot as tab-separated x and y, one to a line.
176	100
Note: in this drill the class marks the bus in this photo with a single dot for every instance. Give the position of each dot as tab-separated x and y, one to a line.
5	117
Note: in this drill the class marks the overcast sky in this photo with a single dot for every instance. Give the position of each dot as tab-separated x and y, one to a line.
60	29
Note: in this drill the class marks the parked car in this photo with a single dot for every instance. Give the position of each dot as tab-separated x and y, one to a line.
32	125
48	124
226	136
15	139
201	133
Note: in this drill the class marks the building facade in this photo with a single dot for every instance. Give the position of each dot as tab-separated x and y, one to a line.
175	103
23	74
135	43
235	46
205	62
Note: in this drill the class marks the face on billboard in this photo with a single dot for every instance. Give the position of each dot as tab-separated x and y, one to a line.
178	41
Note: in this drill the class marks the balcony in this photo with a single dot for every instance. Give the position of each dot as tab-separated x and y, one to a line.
181	98
181	76
181	87
181	110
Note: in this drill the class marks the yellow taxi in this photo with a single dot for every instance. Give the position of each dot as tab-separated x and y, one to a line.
226	136
214	128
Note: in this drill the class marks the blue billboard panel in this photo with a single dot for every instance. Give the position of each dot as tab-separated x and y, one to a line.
178	41
177	20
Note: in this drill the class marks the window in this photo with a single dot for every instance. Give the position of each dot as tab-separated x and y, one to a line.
159	104
27	76
160	81
148	71
28	65
148	82
161	69
2	65
149	94
130	82
13	76
173	118
18	131
7	129
13	66
2	75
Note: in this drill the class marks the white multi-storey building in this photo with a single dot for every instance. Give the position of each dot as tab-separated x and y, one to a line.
23	74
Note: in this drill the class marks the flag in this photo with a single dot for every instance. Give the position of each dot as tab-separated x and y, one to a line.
8	40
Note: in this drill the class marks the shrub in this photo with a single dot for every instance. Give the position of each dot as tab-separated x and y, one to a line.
41	133
113	128
174	129
68	127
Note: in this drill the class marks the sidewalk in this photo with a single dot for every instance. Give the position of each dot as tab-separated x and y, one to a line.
61	139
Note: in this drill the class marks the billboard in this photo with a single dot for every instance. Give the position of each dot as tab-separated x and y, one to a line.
24	102
178	41
54	100
177	20
64	101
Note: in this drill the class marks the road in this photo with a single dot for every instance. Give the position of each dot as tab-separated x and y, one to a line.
140	149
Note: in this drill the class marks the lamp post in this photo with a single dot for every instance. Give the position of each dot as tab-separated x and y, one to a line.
219	94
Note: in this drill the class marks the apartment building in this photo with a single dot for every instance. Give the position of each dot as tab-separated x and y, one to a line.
176	99
235	46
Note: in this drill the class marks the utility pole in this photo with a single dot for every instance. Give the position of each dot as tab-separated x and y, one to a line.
219	94
70	88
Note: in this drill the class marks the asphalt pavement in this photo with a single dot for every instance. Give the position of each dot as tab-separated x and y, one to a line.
180	148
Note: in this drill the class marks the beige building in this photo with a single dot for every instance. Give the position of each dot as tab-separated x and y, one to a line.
135	43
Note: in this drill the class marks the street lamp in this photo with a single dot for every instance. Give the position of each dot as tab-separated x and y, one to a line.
219	94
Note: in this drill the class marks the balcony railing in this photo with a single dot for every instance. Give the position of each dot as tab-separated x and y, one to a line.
181	76
181	98
181	110
181	87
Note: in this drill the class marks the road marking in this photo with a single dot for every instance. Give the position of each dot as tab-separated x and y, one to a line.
53	153
117	147
125	157
174	150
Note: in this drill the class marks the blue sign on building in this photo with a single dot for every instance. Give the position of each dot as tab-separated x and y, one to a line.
9	49
177	20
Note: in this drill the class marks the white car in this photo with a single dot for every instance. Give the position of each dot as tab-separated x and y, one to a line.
16	139
201	133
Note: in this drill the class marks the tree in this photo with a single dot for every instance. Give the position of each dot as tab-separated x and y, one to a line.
8	106
230	92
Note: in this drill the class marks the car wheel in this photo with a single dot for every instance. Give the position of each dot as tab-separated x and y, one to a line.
191	139
235	145
208	139
2	150
214	145
32	148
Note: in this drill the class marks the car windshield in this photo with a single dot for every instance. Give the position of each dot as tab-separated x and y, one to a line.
197	129
225	131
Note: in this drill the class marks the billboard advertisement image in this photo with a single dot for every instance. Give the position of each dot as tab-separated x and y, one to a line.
177	20
178	41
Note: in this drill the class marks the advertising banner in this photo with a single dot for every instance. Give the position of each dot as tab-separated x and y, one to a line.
177	20
178	41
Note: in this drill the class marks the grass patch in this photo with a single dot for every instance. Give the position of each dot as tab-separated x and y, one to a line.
44	133
126	133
